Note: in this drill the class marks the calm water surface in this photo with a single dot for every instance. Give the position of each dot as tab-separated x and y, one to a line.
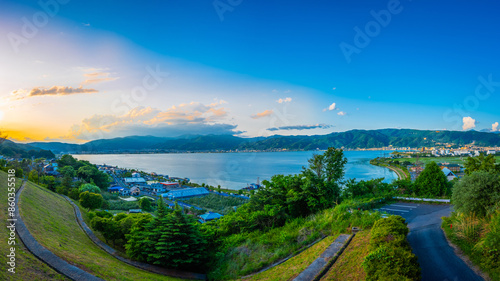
237	170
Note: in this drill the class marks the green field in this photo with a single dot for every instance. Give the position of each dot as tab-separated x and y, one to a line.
294	266
28	267
51	220
451	160
348	266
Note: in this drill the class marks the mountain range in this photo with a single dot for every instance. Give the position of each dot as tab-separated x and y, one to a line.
353	139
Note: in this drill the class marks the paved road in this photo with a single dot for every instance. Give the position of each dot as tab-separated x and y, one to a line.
437	259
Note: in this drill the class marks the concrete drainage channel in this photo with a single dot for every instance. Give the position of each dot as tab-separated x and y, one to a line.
321	265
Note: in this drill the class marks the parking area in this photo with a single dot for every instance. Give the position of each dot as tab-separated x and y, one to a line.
403	209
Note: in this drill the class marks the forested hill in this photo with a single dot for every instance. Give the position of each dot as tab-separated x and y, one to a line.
349	139
11	149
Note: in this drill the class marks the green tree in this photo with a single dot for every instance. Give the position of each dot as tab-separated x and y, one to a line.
91	200
50	181
481	163
145	204
432	181
90	188
34	177
477	193
180	243
68	171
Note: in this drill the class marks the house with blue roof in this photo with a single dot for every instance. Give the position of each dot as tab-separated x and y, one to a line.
449	174
209	216
185	193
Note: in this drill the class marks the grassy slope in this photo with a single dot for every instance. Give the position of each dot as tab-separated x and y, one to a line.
28	267
294	266
348	266
51	220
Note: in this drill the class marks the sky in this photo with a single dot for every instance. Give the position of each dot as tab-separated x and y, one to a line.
75	71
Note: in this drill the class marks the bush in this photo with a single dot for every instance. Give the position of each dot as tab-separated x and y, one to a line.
478	193
391	230
391	263
390	257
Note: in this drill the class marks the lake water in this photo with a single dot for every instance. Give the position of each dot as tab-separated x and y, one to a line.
237	170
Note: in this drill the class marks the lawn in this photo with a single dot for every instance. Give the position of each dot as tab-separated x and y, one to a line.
28	267
51	220
294	266
348	265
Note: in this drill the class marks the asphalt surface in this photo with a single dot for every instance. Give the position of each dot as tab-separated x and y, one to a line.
436	258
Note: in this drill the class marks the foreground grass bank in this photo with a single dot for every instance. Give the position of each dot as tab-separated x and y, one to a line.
348	265
468	234
28	267
51	220
247	253
295	265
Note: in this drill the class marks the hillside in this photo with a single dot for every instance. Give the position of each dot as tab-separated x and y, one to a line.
51	220
11	149
349	140
28	267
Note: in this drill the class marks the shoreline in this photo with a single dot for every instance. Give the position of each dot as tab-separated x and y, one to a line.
216	152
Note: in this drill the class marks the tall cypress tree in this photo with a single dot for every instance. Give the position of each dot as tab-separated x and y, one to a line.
180	243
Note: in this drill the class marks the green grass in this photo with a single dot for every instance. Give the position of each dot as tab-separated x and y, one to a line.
348	265
247	253
51	220
28	267
216	203
295	265
492	268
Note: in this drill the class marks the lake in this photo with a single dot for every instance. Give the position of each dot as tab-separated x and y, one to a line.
237	170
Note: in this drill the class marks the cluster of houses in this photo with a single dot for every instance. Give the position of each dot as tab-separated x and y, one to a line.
466	152
170	189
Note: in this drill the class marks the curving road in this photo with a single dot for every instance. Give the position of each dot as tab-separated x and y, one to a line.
437	259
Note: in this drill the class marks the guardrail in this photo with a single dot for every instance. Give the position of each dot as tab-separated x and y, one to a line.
424	199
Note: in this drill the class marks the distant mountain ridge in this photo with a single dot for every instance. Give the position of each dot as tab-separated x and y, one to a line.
352	139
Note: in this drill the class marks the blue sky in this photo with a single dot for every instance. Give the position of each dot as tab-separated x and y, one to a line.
412	64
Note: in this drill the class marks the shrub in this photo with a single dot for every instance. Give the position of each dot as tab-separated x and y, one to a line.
478	193
391	263
390	257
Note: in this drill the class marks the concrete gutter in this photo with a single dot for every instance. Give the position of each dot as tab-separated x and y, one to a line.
322	264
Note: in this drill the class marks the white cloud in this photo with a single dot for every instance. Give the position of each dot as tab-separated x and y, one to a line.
191	118
288	99
494	127
469	123
332	106
341	113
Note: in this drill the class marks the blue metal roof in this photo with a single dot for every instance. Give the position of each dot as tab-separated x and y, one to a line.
211	216
188	192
